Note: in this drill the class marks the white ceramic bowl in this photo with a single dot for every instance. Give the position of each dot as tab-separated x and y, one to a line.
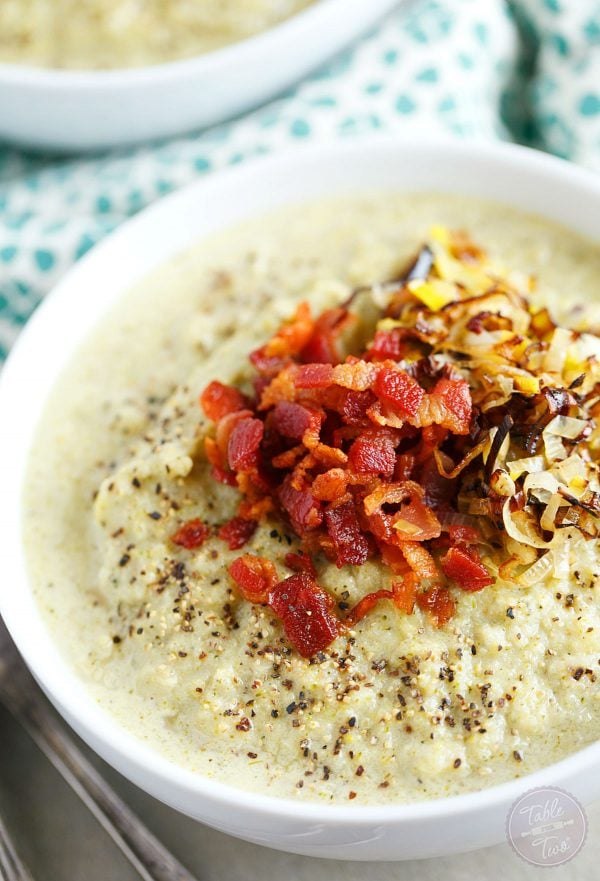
513	175
89	110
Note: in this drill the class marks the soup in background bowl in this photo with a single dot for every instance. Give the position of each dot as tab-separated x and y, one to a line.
108	34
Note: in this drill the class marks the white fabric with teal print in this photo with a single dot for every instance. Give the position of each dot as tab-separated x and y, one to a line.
526	70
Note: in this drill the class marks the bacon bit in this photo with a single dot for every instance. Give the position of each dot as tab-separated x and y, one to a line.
222	476
350	544
393	557
331	485
281	388
463	535
217	400
255	576
387	344
244	441
303	509
212	451
290	458
295	421
224	429
218	471
432	437
373	453
399	391
191	535
366	605
463	566
438	603
305	610
311	376
405	593
328	456
266	367
404	468
477	323
256	510
451	405
301	563
355	405
288	341
237	531
411	520
420	560
439	491
322	346
358	376
300	476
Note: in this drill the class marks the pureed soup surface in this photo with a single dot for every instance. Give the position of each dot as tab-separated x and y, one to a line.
396	708
129	33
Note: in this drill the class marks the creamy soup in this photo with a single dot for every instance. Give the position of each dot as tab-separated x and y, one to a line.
396	708
129	33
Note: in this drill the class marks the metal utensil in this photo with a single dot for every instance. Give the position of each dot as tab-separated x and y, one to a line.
23	698
11	867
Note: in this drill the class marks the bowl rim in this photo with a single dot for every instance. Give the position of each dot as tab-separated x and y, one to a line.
239	52
41	652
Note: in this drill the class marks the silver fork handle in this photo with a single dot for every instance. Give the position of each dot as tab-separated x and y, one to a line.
11	867
141	848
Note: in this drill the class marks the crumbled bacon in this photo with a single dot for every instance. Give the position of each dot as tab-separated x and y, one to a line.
366	605
255	577
237	531
301	507
463	566
373	453
287	342
387	344
217	400
463	535
398	391
216	459
322	347
305	610
377	449
311	376
405	593
451	405
191	535
420	560
438	602
294	421
354	407
244	441
351	546
301	563
330	485
410	521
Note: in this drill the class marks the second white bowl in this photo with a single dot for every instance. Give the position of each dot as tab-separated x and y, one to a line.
89	110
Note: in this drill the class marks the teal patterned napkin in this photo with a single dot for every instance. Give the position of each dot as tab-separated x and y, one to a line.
526	70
